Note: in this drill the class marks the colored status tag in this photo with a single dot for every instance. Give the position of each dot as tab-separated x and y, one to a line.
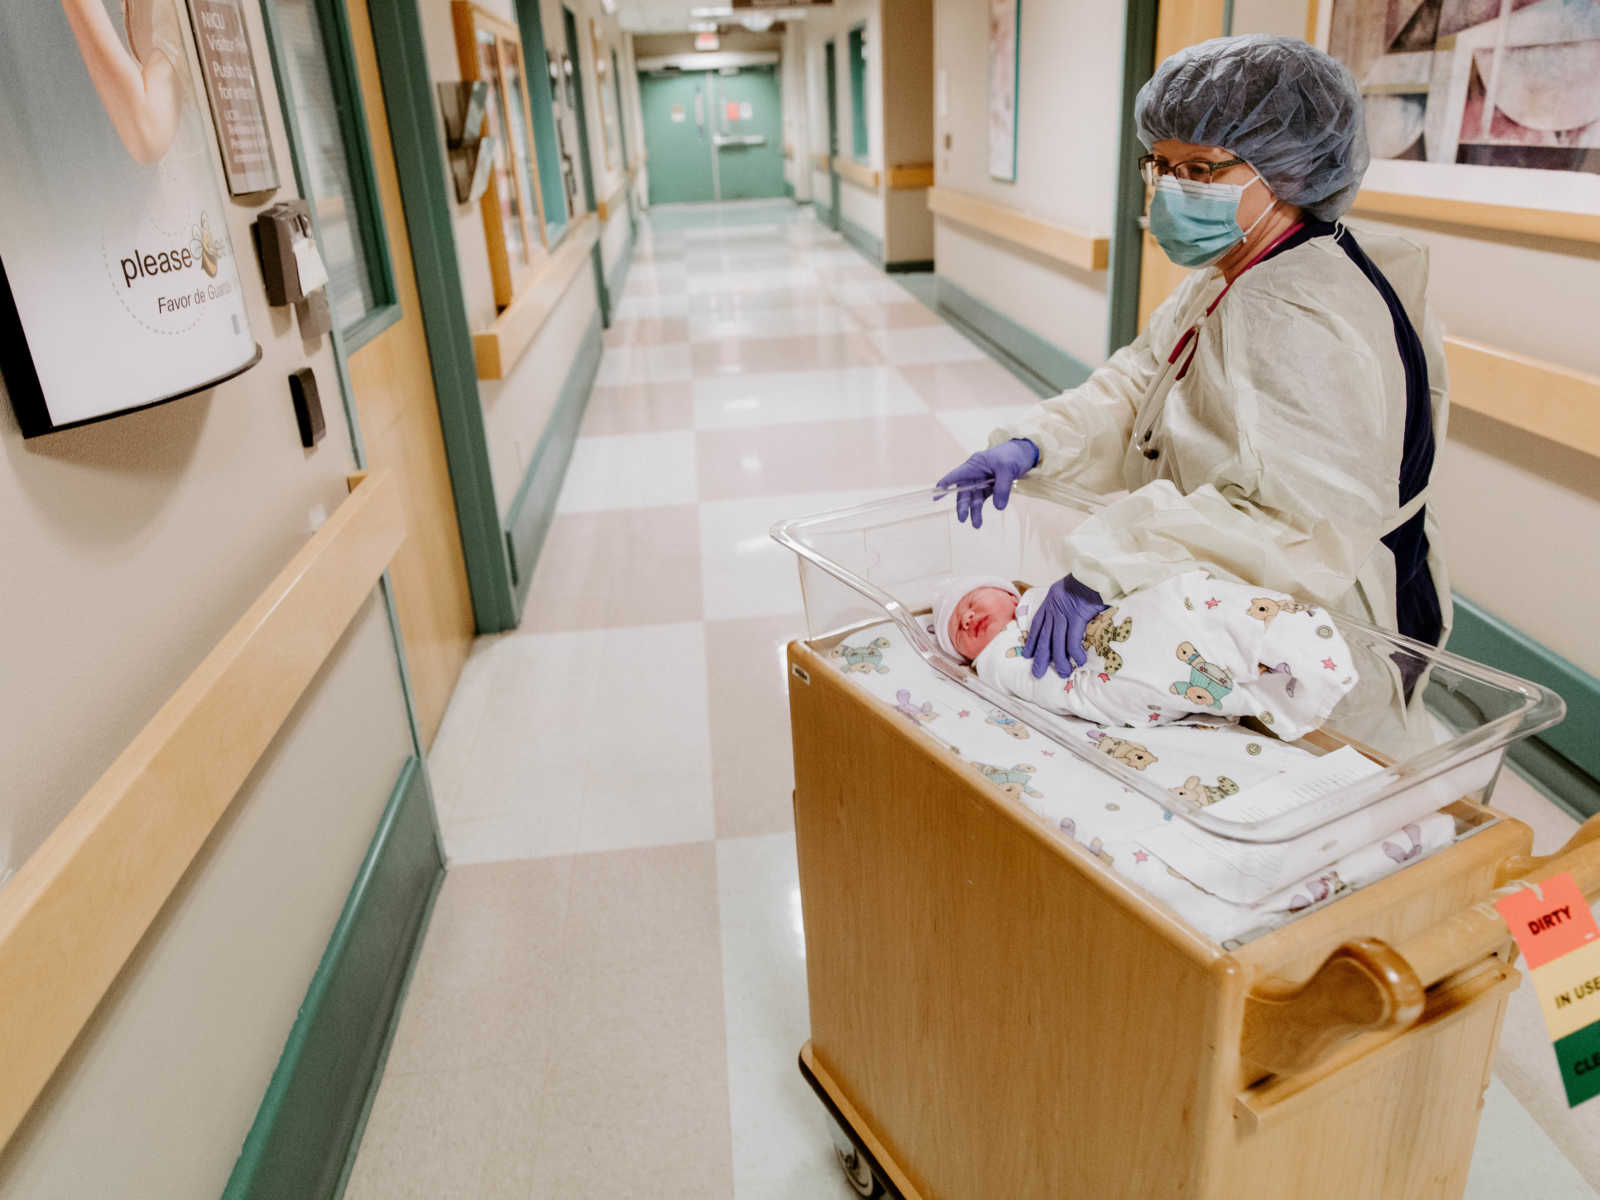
1561	943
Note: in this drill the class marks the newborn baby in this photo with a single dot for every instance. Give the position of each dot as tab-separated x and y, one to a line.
1192	644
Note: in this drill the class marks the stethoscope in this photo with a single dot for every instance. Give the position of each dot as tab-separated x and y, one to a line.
1182	356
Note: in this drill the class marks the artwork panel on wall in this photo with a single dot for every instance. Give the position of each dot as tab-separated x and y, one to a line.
1005	23
118	283
1480	106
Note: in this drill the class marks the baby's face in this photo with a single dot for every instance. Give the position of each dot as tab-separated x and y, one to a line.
978	617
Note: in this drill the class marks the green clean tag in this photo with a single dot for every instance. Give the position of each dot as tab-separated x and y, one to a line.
1579	1056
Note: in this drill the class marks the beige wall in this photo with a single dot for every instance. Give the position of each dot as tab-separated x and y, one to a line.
1068	127
795	82
1521	515
516	409
856	204
907	126
132	545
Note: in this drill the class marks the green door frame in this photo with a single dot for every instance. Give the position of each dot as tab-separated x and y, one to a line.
408	95
831	74
1127	235
586	168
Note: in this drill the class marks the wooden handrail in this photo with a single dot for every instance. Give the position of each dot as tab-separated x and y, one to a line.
75	911
855	172
1087	252
907	177
618	199
497	348
1552	402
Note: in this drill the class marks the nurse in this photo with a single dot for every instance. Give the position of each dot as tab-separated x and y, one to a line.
1276	421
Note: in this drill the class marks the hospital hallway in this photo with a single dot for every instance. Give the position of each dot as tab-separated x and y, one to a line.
611	993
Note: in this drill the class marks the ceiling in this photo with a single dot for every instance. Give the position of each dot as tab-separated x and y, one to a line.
673	16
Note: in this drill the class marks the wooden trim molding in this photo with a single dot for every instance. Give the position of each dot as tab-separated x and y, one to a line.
854	172
1087	252
821	162
1467	214
909	177
498	347
79	906
608	206
1553	402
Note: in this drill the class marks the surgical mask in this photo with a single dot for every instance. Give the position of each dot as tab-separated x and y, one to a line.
1197	223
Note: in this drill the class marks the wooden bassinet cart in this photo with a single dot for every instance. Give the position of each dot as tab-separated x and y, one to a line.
996	1016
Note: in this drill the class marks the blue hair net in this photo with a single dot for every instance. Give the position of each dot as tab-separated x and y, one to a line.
1289	110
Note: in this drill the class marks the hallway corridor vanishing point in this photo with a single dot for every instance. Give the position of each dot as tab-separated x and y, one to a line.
611	995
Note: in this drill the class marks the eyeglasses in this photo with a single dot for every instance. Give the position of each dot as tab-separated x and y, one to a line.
1197	170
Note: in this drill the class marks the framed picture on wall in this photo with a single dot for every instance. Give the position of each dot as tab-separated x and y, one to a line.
119	288
1479	112
1005	21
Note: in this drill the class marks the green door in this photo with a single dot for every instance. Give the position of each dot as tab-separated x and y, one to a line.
749	134
676	140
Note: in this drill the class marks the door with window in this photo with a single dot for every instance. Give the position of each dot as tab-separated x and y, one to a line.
339	128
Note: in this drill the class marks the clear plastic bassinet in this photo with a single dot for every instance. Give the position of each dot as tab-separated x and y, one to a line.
890	557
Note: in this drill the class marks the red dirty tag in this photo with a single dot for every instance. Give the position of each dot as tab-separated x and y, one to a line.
1549	922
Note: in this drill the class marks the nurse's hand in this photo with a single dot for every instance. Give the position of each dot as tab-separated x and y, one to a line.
988	472
1055	633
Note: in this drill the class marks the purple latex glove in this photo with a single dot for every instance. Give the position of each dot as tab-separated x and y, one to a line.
988	472
1057	627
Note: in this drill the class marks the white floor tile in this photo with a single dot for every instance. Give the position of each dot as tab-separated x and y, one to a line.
877	292
635	470
926	344
644	364
457	739
971	426
805	321
730	401
591	741
743	572
1514	1157
782	1149
638	304
752	281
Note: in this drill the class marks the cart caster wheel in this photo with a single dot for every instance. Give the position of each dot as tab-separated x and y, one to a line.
856	1172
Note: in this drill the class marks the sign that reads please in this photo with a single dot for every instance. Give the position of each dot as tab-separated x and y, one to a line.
1560	941
235	95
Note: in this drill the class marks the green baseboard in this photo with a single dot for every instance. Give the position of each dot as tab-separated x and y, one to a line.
535	505
620	268
863	241
1053	369
1566	759
307	1131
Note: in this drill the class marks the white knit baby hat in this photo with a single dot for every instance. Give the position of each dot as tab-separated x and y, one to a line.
945	603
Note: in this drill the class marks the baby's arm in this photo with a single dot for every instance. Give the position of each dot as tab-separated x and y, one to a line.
142	96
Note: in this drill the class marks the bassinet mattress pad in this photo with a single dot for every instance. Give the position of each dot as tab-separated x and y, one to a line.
1209	757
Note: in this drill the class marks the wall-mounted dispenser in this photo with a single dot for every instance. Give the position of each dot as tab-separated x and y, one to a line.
464	105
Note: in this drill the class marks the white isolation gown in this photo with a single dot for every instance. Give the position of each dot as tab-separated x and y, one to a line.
1277	453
